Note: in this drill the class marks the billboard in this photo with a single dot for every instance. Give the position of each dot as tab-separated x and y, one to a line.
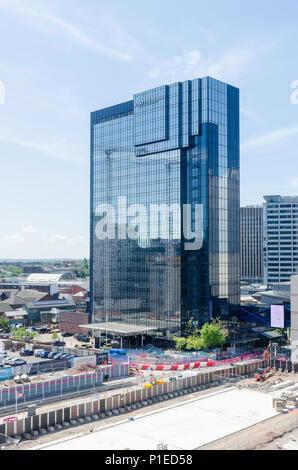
277	316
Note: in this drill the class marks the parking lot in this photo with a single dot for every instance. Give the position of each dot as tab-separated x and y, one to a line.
28	359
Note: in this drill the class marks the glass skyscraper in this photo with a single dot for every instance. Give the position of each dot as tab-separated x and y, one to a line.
175	145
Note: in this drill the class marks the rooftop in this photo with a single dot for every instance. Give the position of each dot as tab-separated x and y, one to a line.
45	278
121	329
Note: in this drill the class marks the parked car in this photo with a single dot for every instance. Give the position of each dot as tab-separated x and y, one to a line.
58	343
17	362
6	360
82	338
51	354
67	335
26	352
65	356
42	330
4	336
57	356
37	351
44	354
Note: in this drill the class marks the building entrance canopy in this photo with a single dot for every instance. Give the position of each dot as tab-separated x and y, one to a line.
120	329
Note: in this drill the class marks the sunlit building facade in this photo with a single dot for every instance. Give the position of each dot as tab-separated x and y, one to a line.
174	145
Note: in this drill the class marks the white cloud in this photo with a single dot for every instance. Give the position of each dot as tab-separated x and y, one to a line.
270	138
250	114
65	239
28	242
43	16
230	66
233	63
192	57
59	149
294	182
13	237
29	229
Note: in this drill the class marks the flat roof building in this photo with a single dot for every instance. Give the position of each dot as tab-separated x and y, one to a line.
280	238
252	263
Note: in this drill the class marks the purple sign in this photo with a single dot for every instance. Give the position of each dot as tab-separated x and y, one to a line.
277	316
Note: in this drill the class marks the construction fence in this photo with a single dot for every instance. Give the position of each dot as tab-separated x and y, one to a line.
59	386
122	403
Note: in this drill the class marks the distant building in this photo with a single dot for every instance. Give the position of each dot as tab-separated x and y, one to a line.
252	263
280	238
16	299
37	304
28	269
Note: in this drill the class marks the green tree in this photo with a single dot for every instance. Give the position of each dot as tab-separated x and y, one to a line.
191	329
54	336
4	323
180	343
21	333
212	335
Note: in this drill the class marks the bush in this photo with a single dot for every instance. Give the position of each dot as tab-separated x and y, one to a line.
4	323
21	333
180	343
209	337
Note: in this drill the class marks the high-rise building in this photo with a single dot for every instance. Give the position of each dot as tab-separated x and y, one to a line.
280	238
177	146
294	318
252	264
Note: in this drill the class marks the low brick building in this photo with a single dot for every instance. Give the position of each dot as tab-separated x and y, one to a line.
69	321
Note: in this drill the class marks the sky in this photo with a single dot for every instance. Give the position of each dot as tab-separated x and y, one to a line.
62	59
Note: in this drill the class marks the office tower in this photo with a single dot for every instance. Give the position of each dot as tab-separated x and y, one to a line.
178	146
280	238
252	264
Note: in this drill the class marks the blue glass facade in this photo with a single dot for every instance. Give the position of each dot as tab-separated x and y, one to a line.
176	144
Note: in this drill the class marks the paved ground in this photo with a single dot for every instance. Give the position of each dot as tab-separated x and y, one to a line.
28	359
262	436
288	441
184	426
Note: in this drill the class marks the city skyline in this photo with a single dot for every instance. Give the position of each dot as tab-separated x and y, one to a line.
91	58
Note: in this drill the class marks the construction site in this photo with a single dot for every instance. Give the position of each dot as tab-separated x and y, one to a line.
245	405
